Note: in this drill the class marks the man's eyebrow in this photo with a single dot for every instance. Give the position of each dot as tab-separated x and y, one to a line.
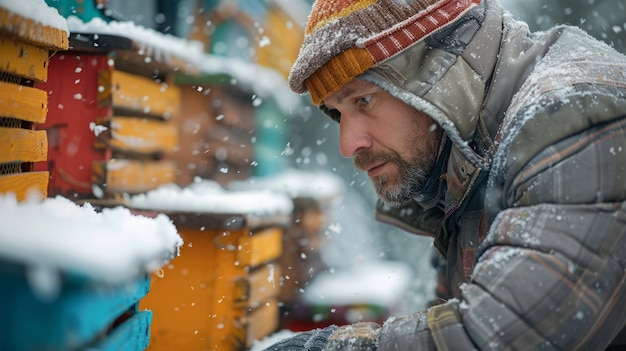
342	95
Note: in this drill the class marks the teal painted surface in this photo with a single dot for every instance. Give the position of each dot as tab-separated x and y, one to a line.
133	334
71	319
272	132
86	10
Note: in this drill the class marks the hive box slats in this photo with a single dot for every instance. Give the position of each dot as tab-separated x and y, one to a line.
138	135
142	95
131	335
259	286
22	102
262	247
23	60
24	184
208	298
132	176
31	31
23	145
73	319
258	324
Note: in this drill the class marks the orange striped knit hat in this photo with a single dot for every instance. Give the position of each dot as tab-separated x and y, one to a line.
344	38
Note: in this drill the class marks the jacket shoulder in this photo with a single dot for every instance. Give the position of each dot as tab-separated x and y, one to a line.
579	83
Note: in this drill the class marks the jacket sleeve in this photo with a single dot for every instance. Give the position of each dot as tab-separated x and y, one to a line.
548	277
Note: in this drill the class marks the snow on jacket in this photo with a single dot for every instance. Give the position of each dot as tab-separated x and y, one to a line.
527	202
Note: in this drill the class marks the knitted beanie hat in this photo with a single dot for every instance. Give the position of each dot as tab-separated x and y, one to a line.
344	38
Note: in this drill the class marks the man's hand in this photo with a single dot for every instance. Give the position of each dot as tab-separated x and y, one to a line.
354	337
313	340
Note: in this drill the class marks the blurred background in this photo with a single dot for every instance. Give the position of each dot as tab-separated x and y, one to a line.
173	107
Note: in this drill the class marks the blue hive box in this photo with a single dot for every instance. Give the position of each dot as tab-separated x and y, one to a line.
82	315
71	277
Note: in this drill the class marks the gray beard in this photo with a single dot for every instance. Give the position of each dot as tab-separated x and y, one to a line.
411	183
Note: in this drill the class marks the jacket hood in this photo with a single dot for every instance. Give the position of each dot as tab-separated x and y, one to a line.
445	76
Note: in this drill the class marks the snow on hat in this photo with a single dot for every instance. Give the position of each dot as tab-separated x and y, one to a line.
344	38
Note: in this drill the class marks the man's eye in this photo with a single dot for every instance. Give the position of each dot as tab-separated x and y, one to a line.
364	100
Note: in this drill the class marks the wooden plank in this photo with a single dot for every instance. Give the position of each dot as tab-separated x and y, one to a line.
132	176
24	60
72	107
139	135
139	94
260	247
260	285
191	298
31	31
22	102
227	143
23	145
133	334
258	324
25	185
70	321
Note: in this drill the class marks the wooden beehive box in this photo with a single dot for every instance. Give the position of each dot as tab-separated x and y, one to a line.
25	47
72	278
313	194
111	117
82	314
216	130
222	292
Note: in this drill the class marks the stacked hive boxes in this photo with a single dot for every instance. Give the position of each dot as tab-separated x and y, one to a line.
315	195
56	295
72	278
26	45
222	292
110	119
218	129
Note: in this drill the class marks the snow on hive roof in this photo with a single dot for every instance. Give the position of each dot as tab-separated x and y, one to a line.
297	184
59	236
210	197
262	81
191	51
35	22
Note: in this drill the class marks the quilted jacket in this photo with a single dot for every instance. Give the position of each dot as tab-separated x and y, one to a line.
528	199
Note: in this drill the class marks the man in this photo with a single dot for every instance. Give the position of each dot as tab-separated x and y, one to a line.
507	147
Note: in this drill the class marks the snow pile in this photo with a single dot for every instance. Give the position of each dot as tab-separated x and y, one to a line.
297	184
56	236
38	11
210	197
375	282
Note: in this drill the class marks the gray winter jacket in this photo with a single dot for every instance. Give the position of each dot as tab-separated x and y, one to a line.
527	203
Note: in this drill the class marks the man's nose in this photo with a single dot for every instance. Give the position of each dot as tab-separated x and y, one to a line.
353	136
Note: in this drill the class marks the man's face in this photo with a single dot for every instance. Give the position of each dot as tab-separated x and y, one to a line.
393	142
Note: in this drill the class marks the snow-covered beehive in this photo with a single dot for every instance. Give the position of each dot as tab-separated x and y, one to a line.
116	77
72	277
29	32
222	292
